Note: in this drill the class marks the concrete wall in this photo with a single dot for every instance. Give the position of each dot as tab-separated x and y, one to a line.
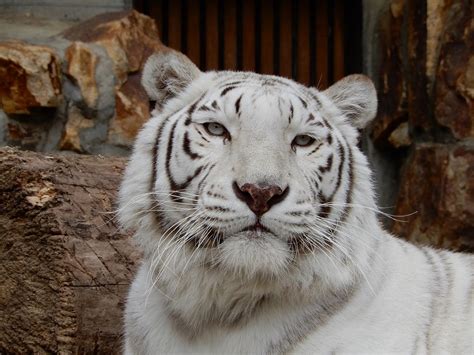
73	10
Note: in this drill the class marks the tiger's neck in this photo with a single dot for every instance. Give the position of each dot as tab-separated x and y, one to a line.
200	295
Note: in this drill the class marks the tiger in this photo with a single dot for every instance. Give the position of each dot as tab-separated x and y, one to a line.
255	211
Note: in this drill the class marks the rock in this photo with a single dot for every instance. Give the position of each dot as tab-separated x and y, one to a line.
71	136
392	94
400	137
81	67
128	36
438	186
131	112
454	87
30	77
437	12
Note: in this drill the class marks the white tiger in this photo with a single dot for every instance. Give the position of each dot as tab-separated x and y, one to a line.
254	208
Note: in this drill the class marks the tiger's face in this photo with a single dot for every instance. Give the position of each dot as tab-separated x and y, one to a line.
250	170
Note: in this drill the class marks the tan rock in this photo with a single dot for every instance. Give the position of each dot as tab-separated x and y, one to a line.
436	13
400	136
128	37
75	122
81	67
29	77
131	112
438	187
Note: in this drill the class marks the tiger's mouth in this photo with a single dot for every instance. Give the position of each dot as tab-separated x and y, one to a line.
214	237
257	228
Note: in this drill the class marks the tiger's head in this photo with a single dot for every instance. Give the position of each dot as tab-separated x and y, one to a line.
246	173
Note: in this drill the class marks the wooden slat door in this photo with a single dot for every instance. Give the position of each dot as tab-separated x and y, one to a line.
313	42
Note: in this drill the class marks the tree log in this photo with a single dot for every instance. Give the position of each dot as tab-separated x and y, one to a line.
65	264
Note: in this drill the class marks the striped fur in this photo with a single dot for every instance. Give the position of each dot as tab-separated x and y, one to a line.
321	276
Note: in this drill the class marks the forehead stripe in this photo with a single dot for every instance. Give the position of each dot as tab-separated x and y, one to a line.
191	110
237	104
226	90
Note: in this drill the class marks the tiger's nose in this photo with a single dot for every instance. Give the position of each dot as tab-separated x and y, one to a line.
260	198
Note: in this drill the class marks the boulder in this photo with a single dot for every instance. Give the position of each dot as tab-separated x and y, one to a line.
128	37
76	121
437	196
30	77
81	68
131	112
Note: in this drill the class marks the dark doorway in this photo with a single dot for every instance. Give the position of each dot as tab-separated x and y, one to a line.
313	42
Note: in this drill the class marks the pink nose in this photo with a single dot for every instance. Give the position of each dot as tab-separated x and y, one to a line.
259	198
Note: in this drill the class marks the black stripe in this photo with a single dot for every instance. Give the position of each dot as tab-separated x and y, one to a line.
237	105
191	110
290	117
174	186
310	118
326	123
279	106
350	168
187	148
316	98
232	83
303	102
316	148
342	154
326	210
435	294
155	150
327	167
202	135
205	108
200	185
168	155
329	138
226	90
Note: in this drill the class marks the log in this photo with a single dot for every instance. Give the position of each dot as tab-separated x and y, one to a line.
65	264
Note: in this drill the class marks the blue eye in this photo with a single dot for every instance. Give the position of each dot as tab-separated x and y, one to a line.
302	140
215	129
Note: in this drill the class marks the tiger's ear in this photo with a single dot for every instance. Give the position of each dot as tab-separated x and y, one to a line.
356	97
166	74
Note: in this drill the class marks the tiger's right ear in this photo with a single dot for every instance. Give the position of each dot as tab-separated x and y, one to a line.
166	74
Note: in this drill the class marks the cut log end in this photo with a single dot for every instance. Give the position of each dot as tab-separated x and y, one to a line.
66	265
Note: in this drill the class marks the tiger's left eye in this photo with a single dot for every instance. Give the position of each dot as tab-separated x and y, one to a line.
302	140
215	129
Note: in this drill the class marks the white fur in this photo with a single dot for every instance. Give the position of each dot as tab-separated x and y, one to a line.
370	293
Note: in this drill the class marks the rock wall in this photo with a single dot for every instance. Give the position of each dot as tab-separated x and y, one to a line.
62	9
424	131
79	90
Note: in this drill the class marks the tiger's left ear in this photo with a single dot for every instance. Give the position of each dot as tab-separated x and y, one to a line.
356	97
166	74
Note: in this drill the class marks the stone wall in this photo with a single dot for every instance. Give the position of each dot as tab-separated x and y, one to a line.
422	60
79	90
62	9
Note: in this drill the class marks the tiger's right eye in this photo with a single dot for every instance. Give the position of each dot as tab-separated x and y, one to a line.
216	129
303	140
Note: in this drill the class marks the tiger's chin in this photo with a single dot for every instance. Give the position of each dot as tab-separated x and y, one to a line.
254	254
